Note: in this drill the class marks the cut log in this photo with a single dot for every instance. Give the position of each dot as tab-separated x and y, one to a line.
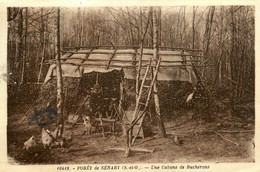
137	149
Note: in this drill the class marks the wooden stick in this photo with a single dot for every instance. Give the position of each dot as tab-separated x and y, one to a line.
226	139
180	48
127	143
111	57
145	53
105	120
65	97
236	83
129	66
137	149
104	46
33	83
26	113
87	55
242	131
123	60
87	97
135	46
97	52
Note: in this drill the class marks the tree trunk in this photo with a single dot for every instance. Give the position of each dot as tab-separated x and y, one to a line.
25	45
160	27
232	65
19	48
207	34
184	27
59	77
193	28
82	28
140	32
43	44
155	89
130	27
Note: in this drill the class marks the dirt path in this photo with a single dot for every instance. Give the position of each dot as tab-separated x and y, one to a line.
199	144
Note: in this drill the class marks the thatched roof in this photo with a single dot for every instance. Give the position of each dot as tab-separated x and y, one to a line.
175	65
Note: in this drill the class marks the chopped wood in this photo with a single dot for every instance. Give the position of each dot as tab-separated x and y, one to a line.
226	139
137	149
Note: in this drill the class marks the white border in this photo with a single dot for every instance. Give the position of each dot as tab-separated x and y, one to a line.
4	166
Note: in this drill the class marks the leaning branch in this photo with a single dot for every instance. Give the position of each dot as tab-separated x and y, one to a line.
226	139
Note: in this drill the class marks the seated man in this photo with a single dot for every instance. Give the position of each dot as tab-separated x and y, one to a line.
97	101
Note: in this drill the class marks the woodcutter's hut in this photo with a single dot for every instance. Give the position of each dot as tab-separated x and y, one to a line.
132	63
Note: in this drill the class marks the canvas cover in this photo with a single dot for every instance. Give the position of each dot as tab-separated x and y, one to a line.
173	66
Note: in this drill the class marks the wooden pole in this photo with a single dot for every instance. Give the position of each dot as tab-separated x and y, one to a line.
59	77
138	70
121	117
137	149
155	89
129	131
30	108
84	101
140	58
120	106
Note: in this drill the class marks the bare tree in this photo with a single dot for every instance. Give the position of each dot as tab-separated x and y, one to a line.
155	89
42	33
25	46
59	77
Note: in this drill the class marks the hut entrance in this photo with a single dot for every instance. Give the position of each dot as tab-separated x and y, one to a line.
102	91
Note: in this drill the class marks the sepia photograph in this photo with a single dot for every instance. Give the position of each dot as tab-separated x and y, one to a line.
130	85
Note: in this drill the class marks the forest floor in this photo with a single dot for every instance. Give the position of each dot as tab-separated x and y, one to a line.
201	142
